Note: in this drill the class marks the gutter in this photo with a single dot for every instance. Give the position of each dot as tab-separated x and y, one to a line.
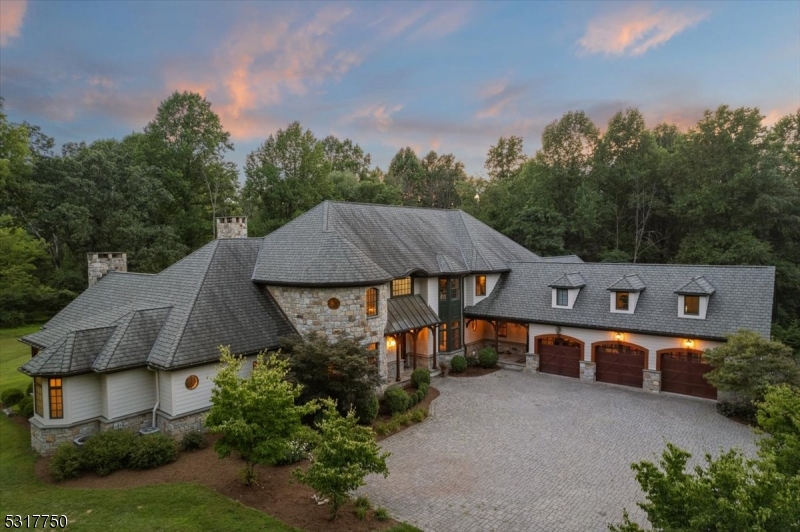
158	396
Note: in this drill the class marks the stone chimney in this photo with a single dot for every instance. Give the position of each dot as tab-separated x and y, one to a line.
232	227
102	263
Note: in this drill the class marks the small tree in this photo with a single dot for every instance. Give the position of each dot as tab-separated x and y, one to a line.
257	416
748	364
344	457
779	416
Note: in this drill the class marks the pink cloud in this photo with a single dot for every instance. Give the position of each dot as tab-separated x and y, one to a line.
376	117
11	14
635	30
497	97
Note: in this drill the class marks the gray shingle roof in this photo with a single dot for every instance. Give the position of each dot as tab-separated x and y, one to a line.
407	313
173	319
743	299
573	259
698	286
71	354
339	243
628	283
569	280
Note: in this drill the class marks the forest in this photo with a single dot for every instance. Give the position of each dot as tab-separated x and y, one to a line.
726	191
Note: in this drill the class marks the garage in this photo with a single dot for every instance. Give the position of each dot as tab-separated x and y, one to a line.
560	356
620	364
682	372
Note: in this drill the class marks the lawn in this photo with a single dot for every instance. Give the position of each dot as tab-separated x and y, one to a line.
13	354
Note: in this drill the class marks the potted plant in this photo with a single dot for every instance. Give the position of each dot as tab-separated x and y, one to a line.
443	368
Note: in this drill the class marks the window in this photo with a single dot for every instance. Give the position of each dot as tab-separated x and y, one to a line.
334	303
455	333
372	301
455	288
372	347
691	305
443	337
442	289
480	285
401	287
622	300
37	396
191	382
562	299
56	399
502	329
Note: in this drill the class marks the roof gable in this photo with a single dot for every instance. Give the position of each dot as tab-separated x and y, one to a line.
628	283
569	280
698	286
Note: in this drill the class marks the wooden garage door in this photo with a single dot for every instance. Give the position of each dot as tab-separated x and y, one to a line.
619	364
682	372
563	358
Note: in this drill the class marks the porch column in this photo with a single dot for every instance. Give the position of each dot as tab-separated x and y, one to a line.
397	354
435	332
496	326
414	348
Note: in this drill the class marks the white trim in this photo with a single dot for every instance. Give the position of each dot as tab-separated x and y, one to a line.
633	298
702	310
572	296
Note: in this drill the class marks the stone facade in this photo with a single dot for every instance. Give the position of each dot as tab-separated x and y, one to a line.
532	362
587	371
45	440
232	227
308	310
100	264
651	381
178	427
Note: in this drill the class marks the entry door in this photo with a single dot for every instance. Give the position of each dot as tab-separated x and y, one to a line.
450	313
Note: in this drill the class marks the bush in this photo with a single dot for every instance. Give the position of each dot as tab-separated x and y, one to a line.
743	411
381	514
420	376
108	451
487	357
25	407
458	364
66	462
193	441
419	395
12	397
361	513
396	400
367	409
304	441
152	451
363	502
472	361
29	389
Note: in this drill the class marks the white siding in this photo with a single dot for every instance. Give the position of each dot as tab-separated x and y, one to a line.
491	282
185	400
104	398
165	392
589	336
82	398
130	392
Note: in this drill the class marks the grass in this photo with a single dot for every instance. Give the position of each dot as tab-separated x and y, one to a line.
13	354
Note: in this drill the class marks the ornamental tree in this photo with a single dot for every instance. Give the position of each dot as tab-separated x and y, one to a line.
345	456
257	415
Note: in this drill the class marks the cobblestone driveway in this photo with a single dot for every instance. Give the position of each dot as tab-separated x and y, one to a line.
512	451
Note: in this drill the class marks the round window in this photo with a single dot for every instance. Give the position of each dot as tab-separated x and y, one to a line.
191	382
333	303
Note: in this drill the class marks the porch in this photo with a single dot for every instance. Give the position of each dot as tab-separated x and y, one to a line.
410	326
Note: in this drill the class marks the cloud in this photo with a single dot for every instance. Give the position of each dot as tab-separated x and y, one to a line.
11	14
497	96
377	116
427	21
635	30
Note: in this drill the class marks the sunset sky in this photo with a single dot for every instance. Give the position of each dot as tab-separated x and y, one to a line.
452	77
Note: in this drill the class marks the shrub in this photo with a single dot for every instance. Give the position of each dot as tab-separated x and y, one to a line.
744	411
361	513
25	407
472	361
304	441
381	514
424	389
66	462
152	451
193	440
458	364
419	395
12	397
420	376
29	389
383	428
366	409
396	400
419	415
108	451
363	502
487	357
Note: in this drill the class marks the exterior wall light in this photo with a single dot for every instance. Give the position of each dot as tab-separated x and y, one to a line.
619	336
391	342
688	343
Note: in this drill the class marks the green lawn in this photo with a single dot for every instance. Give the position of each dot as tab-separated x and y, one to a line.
13	354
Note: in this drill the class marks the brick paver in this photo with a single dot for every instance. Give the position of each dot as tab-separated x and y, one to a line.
512	451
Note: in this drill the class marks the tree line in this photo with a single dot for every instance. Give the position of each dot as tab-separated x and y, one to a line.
727	191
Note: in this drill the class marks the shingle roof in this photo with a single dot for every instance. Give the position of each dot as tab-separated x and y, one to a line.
628	283
698	286
173	319
572	259
370	244
409	312
72	354
743	299
569	280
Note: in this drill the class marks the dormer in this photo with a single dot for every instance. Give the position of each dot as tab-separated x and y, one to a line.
625	294
566	289
693	298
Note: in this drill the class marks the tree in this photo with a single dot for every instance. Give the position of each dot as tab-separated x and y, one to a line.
748	364
505	158
346	156
257	415
407	174
778	416
346	454
14	151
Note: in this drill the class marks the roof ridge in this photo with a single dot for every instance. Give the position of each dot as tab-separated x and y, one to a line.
387	206
646	264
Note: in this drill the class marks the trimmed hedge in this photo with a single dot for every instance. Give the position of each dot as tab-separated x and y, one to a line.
152	451
193	440
420	376
458	364
12	397
367	409
25	407
487	357
396	400
108	451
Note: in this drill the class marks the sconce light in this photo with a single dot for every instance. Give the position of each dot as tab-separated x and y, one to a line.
390	342
619	336
688	343
474	325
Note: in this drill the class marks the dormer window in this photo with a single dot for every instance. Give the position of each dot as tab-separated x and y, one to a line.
566	289
693	298
622	299
625	294
691	305
562	297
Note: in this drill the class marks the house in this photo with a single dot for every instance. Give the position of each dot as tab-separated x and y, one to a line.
416	286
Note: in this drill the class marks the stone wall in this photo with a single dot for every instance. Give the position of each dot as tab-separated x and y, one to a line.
532	362
45	440
587	371
178	427
100	264
232	227
652	381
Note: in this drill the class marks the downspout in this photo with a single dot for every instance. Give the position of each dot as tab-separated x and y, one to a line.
158	396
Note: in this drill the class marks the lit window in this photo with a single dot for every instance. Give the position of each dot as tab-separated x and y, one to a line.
442	289
480	285
372	301
334	303
372	347
562	299
56	399
502	329
443	337
455	335
37	396
401	287
622	300
191	382
455	288
691	305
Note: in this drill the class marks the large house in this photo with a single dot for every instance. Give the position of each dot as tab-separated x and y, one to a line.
416	286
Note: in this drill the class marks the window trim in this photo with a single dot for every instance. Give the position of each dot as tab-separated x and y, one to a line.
372	302
55	391
38	397
622	297
480	285
559	293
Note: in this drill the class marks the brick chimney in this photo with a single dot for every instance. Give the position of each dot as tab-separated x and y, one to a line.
232	227
102	263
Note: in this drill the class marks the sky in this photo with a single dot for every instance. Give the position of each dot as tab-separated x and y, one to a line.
446	76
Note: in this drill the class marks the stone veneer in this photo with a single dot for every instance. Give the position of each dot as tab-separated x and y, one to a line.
587	371
307	309
179	426
532	362
45	440
651	381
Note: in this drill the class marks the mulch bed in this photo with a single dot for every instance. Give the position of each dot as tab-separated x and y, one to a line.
474	371
432	394
275	492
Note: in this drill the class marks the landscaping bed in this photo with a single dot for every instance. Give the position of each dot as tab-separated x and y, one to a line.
425	404
474	371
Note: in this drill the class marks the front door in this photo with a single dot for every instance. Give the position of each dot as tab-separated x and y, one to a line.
450	313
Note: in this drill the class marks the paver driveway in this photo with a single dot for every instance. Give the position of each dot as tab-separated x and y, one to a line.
513	451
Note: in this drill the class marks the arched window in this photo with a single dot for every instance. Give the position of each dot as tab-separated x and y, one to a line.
372	301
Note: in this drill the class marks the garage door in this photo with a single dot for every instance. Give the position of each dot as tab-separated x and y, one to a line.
619	364
560	359
682	372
